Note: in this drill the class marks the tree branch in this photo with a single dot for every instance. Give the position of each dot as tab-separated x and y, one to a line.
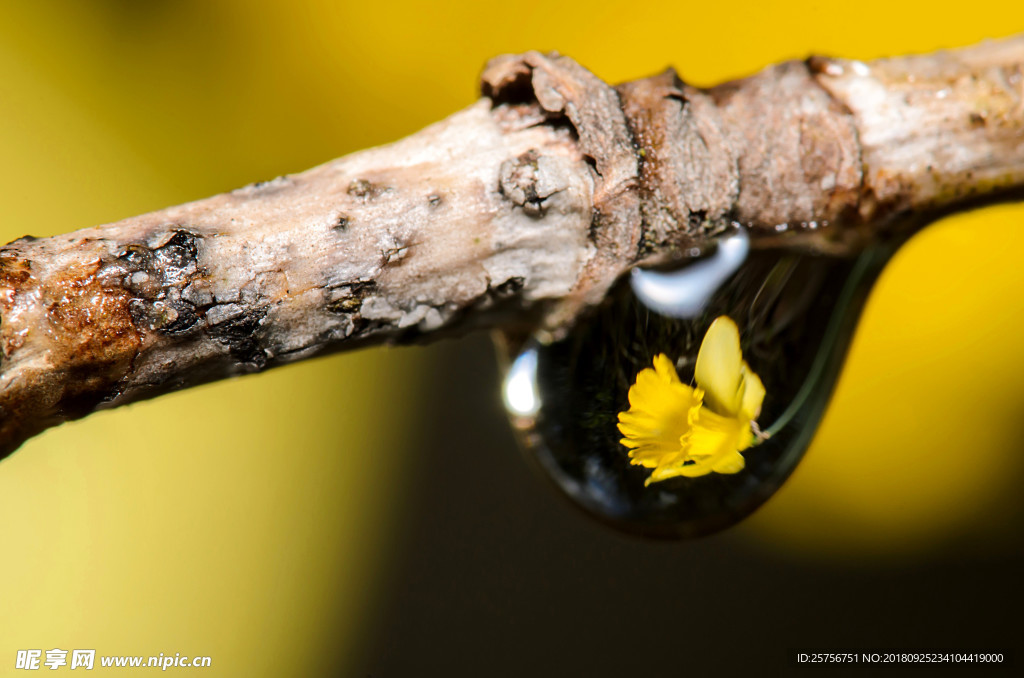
523	208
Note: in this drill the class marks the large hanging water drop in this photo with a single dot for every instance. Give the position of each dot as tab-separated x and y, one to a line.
796	313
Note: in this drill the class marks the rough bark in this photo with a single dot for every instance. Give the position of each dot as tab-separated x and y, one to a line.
523	208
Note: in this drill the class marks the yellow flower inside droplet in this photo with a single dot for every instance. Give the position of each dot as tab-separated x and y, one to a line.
677	430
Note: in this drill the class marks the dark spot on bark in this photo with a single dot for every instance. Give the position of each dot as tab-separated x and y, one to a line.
177	258
596	223
395	253
176	318
361	287
139	311
348	298
155	278
114	392
263	184
341	224
25	238
345	305
515	88
977	119
434	200
362	327
136	257
366	190
696	220
359	188
238	334
88	385
509	287
816	63
240	326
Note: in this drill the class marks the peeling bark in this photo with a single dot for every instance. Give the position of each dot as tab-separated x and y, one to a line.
522	209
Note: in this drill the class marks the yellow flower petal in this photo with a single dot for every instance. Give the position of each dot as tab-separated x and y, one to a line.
659	415
695	470
732	462
665	368
654	457
753	394
679	431
720	365
676	470
682	468
715	441
714	435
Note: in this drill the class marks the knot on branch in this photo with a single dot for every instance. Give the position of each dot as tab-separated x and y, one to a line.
564	90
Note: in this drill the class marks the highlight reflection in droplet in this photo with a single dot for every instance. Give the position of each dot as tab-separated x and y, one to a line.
520	385
685	293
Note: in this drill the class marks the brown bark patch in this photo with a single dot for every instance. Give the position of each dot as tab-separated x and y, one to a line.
90	321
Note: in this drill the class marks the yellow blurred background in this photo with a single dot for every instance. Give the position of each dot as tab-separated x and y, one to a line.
256	521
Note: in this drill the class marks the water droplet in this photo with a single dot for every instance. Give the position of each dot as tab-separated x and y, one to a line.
796	313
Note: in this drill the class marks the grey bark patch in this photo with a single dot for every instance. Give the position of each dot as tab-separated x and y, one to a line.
222	312
198	293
